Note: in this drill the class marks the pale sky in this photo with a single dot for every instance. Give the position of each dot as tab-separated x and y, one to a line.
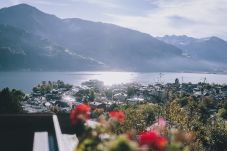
197	18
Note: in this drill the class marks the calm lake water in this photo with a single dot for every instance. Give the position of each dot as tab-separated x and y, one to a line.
26	80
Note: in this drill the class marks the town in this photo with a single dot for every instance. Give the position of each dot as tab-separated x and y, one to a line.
60	97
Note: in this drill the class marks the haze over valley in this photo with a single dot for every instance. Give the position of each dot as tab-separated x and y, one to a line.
34	40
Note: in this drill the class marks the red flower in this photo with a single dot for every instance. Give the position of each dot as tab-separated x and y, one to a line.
148	138
160	143
118	116
153	140
79	113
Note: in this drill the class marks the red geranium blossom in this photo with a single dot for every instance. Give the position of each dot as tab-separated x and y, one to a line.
117	115
153	140
160	143
80	112
148	138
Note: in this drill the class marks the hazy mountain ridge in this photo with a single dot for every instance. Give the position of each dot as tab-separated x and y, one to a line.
22	50
211	49
85	45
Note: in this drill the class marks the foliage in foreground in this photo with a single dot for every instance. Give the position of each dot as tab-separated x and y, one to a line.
105	134
10	101
170	127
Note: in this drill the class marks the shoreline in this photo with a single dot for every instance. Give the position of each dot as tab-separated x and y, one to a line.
114	71
25	81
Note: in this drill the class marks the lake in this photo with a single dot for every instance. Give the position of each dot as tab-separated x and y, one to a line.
26	80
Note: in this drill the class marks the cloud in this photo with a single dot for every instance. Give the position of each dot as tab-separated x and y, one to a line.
179	21
34	2
198	18
129	7
14	2
100	3
50	3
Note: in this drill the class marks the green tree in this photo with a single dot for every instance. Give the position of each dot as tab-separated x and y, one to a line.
218	139
131	91
10	101
203	113
225	105
92	96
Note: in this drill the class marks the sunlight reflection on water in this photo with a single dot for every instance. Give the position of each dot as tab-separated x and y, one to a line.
26	80
110	78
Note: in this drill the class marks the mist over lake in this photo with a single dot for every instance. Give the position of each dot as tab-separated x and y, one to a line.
26	80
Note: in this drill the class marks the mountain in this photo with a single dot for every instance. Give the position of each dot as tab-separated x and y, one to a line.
78	44
22	50
212	49
114	46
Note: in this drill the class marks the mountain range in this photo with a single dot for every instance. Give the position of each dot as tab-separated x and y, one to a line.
211	49
33	40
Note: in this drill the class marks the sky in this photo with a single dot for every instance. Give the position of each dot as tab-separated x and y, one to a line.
196	18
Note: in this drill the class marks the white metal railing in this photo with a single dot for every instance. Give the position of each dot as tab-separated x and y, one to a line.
41	142
65	142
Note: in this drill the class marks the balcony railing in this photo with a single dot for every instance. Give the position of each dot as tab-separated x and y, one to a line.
37	132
